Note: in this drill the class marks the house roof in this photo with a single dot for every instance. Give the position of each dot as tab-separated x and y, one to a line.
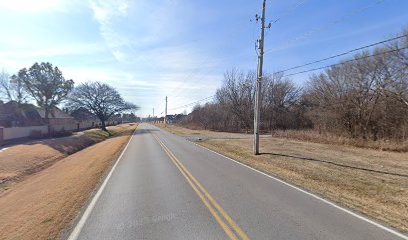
54	113
23	113
82	114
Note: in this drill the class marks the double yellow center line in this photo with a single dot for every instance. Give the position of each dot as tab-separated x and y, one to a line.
220	215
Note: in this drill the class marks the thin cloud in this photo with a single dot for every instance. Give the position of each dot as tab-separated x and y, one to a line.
106	12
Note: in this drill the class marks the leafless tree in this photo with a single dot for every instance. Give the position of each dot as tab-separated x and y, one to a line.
12	88
279	97
99	99
237	94
233	108
365	96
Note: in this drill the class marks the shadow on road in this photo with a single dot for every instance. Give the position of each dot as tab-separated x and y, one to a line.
146	131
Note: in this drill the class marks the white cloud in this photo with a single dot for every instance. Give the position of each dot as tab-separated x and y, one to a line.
106	12
53	51
36	6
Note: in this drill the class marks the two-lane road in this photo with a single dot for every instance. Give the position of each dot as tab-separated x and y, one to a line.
164	187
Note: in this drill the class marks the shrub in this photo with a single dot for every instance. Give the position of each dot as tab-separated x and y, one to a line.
36	134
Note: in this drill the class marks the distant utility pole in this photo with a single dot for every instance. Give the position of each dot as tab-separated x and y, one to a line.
259	79
165	114
153	114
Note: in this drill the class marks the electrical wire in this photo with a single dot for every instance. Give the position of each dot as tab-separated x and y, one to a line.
332	23
314	69
195	102
342	54
289	11
351	60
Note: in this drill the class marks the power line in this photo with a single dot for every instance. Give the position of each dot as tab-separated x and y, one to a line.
200	70
351	60
310	70
342	54
193	80
290	10
332	23
195	102
180	88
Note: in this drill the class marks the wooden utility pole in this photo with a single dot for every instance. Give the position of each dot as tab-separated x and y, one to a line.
165	114
257	106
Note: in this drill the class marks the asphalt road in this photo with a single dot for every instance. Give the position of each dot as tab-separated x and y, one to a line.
165	187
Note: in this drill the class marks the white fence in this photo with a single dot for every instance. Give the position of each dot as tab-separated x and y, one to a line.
22	132
74	126
25	132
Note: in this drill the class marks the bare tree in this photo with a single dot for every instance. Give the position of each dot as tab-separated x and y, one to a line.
100	99
365	96
237	94
12	88
396	64
279	97
233	109
5	85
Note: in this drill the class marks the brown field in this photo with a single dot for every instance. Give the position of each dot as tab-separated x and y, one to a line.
43	204
372	182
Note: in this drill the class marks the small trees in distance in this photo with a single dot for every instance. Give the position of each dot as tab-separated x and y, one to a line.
12	89
100	99
45	84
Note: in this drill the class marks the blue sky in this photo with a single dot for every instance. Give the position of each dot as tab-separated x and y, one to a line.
148	49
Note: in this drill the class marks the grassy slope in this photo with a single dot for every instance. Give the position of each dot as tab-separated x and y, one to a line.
20	161
45	203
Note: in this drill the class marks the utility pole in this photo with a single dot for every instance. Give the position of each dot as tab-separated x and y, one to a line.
153	115
257	106
165	114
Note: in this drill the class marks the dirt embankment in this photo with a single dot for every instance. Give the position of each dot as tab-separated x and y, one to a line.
43	204
22	160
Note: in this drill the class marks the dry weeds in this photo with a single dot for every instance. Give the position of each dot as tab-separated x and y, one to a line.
327	138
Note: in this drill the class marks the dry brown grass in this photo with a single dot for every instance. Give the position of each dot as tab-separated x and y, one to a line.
347	175
44	203
20	161
327	138
304	135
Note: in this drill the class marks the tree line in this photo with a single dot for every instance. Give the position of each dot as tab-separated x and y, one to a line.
365	96
46	85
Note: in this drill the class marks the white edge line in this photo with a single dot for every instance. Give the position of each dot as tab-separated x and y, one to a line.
312	195
77	230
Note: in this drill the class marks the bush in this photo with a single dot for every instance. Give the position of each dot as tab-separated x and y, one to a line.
36	134
62	133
